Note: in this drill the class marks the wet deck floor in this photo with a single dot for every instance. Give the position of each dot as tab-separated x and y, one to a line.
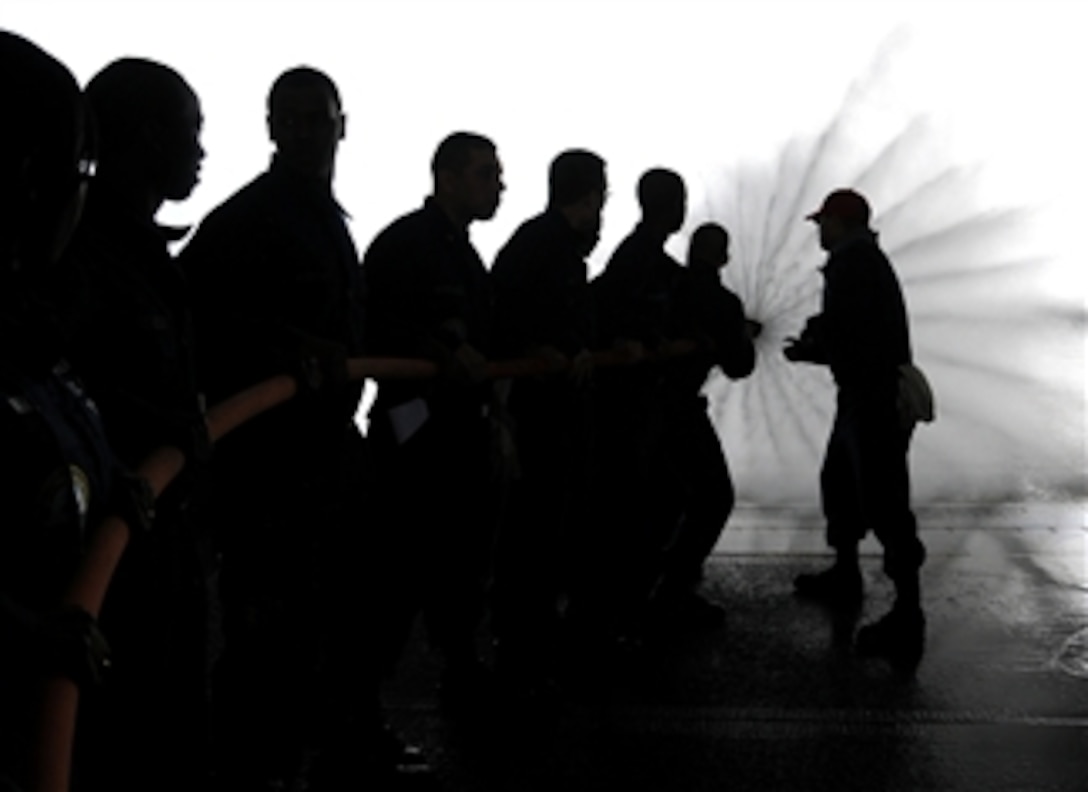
776	700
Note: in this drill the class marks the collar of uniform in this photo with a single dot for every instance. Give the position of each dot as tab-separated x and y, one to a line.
316	190
863	236
708	275
563	227
648	235
440	219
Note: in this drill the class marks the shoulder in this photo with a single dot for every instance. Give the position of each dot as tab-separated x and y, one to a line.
399	242
400	228
729	297
626	256
539	226
253	201
238	224
526	239
673	267
628	247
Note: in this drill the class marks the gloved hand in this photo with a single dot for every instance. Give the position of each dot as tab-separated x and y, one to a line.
581	368
630	350
320	366
134	501
704	343
505	464
806	348
552	359
463	364
800	350
189	433
70	643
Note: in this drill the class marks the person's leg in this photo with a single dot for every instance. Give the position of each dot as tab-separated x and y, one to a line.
900	634
264	680
393	524
709	496
707	501
895	524
606	541
525	595
841	584
456	545
370	601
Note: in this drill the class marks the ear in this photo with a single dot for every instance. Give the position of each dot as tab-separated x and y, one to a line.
343	125
151	135
444	181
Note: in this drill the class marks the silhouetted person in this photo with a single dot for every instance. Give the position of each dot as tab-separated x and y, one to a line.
131	339
429	296
57	473
276	289
706	311
862	334
632	296
132	336
544	309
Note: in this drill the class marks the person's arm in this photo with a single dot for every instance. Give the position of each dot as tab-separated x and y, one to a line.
809	347
735	352
65	640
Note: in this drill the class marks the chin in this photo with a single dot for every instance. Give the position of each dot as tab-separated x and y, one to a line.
181	193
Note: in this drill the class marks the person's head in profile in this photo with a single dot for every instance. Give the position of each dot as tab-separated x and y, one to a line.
306	122
46	156
663	199
467	177
844	214
578	189
708	248
149	123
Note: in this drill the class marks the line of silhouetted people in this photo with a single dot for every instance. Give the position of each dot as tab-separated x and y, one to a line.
562	517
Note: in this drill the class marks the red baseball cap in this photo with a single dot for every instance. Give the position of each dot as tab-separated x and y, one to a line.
844	204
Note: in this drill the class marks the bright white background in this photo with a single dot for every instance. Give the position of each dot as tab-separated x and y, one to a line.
672	82
708	89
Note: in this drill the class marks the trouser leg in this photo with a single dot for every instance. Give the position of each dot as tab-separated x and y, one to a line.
708	494
869	449
839	489
437	513
886	502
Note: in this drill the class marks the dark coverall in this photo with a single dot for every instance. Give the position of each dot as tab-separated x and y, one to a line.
542	298
428	291
275	280
58	481
131	339
862	333
632	297
707	312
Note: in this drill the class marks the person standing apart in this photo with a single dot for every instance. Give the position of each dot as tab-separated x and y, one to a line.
863	335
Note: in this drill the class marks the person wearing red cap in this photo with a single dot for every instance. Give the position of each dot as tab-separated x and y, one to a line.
863	335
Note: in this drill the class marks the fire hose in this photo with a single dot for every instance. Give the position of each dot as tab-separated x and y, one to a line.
57	725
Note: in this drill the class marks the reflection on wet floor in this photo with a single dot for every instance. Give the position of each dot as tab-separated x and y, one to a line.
777	700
